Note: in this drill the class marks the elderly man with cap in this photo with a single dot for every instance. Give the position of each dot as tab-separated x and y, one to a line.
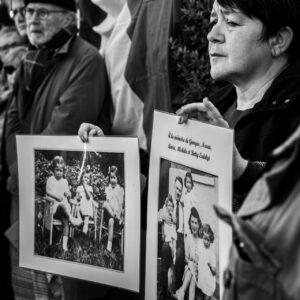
61	83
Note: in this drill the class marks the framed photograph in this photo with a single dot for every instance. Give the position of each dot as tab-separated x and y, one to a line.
187	246
80	207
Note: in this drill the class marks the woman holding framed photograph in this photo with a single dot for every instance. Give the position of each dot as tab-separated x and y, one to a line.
257	53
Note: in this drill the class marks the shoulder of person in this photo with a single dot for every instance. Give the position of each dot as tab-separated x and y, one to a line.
80	46
224	92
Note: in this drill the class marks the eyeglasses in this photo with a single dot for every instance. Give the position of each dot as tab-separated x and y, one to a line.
9	69
14	12
42	13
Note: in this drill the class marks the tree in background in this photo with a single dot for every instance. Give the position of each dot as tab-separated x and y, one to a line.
189	60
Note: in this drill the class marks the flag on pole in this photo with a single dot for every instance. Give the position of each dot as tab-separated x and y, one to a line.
136	56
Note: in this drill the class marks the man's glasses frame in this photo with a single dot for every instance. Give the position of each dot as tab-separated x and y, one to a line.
42	13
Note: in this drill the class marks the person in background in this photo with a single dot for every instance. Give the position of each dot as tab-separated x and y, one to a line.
258	54
264	259
62	82
11	53
17	12
90	16
11	62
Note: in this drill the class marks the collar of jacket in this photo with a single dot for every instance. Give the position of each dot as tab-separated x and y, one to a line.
282	92
60	43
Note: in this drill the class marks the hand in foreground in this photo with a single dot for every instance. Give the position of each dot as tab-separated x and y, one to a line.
207	112
87	129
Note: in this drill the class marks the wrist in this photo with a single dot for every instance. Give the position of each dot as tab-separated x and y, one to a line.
240	168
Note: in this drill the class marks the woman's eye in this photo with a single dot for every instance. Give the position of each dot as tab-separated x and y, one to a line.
212	23
231	23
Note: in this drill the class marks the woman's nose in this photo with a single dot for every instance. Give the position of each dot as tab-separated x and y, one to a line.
216	34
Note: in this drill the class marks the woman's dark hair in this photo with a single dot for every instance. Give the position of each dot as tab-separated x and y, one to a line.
207	229
188	175
274	14
195	214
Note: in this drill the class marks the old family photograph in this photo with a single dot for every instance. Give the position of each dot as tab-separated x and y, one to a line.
215	218
80	207
188	234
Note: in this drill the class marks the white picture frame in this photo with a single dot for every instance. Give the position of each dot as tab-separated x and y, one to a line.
86	257
206	152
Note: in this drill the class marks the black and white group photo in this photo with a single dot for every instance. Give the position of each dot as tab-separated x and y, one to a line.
80	207
188	235
150	149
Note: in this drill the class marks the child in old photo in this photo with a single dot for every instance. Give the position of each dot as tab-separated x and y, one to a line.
169	233
84	194
207	263
57	189
114	204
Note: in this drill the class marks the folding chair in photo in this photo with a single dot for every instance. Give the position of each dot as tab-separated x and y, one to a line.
49	221
92	222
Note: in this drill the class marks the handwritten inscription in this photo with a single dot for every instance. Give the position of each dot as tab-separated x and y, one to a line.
190	146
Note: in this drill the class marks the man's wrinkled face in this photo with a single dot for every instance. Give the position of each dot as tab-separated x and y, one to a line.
42	28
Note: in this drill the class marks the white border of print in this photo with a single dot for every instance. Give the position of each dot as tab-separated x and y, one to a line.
220	164
129	278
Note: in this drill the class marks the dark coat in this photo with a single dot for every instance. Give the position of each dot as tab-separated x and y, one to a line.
265	257
74	91
269	123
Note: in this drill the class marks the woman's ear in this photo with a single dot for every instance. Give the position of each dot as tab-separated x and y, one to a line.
281	41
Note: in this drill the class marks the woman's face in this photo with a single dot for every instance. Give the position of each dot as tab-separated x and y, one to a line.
237	52
195	225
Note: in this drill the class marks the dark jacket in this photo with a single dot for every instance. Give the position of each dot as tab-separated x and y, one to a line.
75	90
265	256
269	123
